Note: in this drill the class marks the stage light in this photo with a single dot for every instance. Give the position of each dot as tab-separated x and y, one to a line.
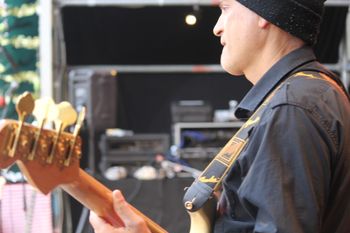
114	73
191	19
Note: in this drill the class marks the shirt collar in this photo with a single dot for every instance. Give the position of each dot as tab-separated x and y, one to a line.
271	79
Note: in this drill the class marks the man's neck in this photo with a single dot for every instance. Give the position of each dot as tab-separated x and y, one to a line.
270	54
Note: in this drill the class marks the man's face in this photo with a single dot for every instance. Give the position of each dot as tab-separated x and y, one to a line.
238	30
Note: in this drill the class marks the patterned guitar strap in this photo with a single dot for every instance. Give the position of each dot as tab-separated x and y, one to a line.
209	181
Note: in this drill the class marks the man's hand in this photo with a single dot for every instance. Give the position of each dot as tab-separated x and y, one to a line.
133	222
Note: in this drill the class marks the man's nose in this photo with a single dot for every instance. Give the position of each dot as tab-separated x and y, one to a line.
217	30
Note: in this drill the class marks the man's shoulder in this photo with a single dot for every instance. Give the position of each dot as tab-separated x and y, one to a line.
309	89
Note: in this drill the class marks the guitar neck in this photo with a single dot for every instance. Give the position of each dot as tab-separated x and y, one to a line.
98	198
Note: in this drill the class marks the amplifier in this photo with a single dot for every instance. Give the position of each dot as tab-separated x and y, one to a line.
132	150
191	111
97	91
203	140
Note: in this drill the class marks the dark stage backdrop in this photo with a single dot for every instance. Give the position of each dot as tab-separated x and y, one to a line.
144	99
159	35
139	35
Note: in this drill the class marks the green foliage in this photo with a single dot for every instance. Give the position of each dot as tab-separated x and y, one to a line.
18	53
17	3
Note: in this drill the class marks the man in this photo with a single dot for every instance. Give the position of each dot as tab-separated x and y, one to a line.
294	173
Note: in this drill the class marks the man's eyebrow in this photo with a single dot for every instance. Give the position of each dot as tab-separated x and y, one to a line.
221	2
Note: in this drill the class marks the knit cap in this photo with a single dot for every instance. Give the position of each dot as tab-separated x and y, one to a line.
301	18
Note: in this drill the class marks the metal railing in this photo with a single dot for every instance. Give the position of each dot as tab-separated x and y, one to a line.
161	2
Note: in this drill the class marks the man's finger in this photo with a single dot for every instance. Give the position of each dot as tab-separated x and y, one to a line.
99	225
121	207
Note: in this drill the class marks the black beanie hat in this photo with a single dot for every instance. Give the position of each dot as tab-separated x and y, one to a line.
301	18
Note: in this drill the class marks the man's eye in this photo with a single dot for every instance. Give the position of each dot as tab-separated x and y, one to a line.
224	8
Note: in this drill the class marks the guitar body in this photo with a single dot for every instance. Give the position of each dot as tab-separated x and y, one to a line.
203	219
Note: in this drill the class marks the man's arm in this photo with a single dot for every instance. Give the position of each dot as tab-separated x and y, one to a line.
280	183
286	186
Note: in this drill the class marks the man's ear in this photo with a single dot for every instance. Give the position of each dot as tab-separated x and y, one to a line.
263	23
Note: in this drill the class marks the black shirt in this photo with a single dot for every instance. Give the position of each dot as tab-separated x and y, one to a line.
294	173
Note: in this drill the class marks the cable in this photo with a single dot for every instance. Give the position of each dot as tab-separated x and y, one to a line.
82	220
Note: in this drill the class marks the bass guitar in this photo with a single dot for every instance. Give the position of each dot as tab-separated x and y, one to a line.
50	158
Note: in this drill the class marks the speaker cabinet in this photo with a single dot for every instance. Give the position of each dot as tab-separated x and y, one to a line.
160	200
97	91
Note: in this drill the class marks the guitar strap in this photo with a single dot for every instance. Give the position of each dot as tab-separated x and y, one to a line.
209	181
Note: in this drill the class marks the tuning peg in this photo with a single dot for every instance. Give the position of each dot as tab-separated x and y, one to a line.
80	121
77	128
63	115
40	112
42	107
24	107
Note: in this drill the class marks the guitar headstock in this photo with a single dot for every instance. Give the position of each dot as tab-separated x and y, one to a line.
46	157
